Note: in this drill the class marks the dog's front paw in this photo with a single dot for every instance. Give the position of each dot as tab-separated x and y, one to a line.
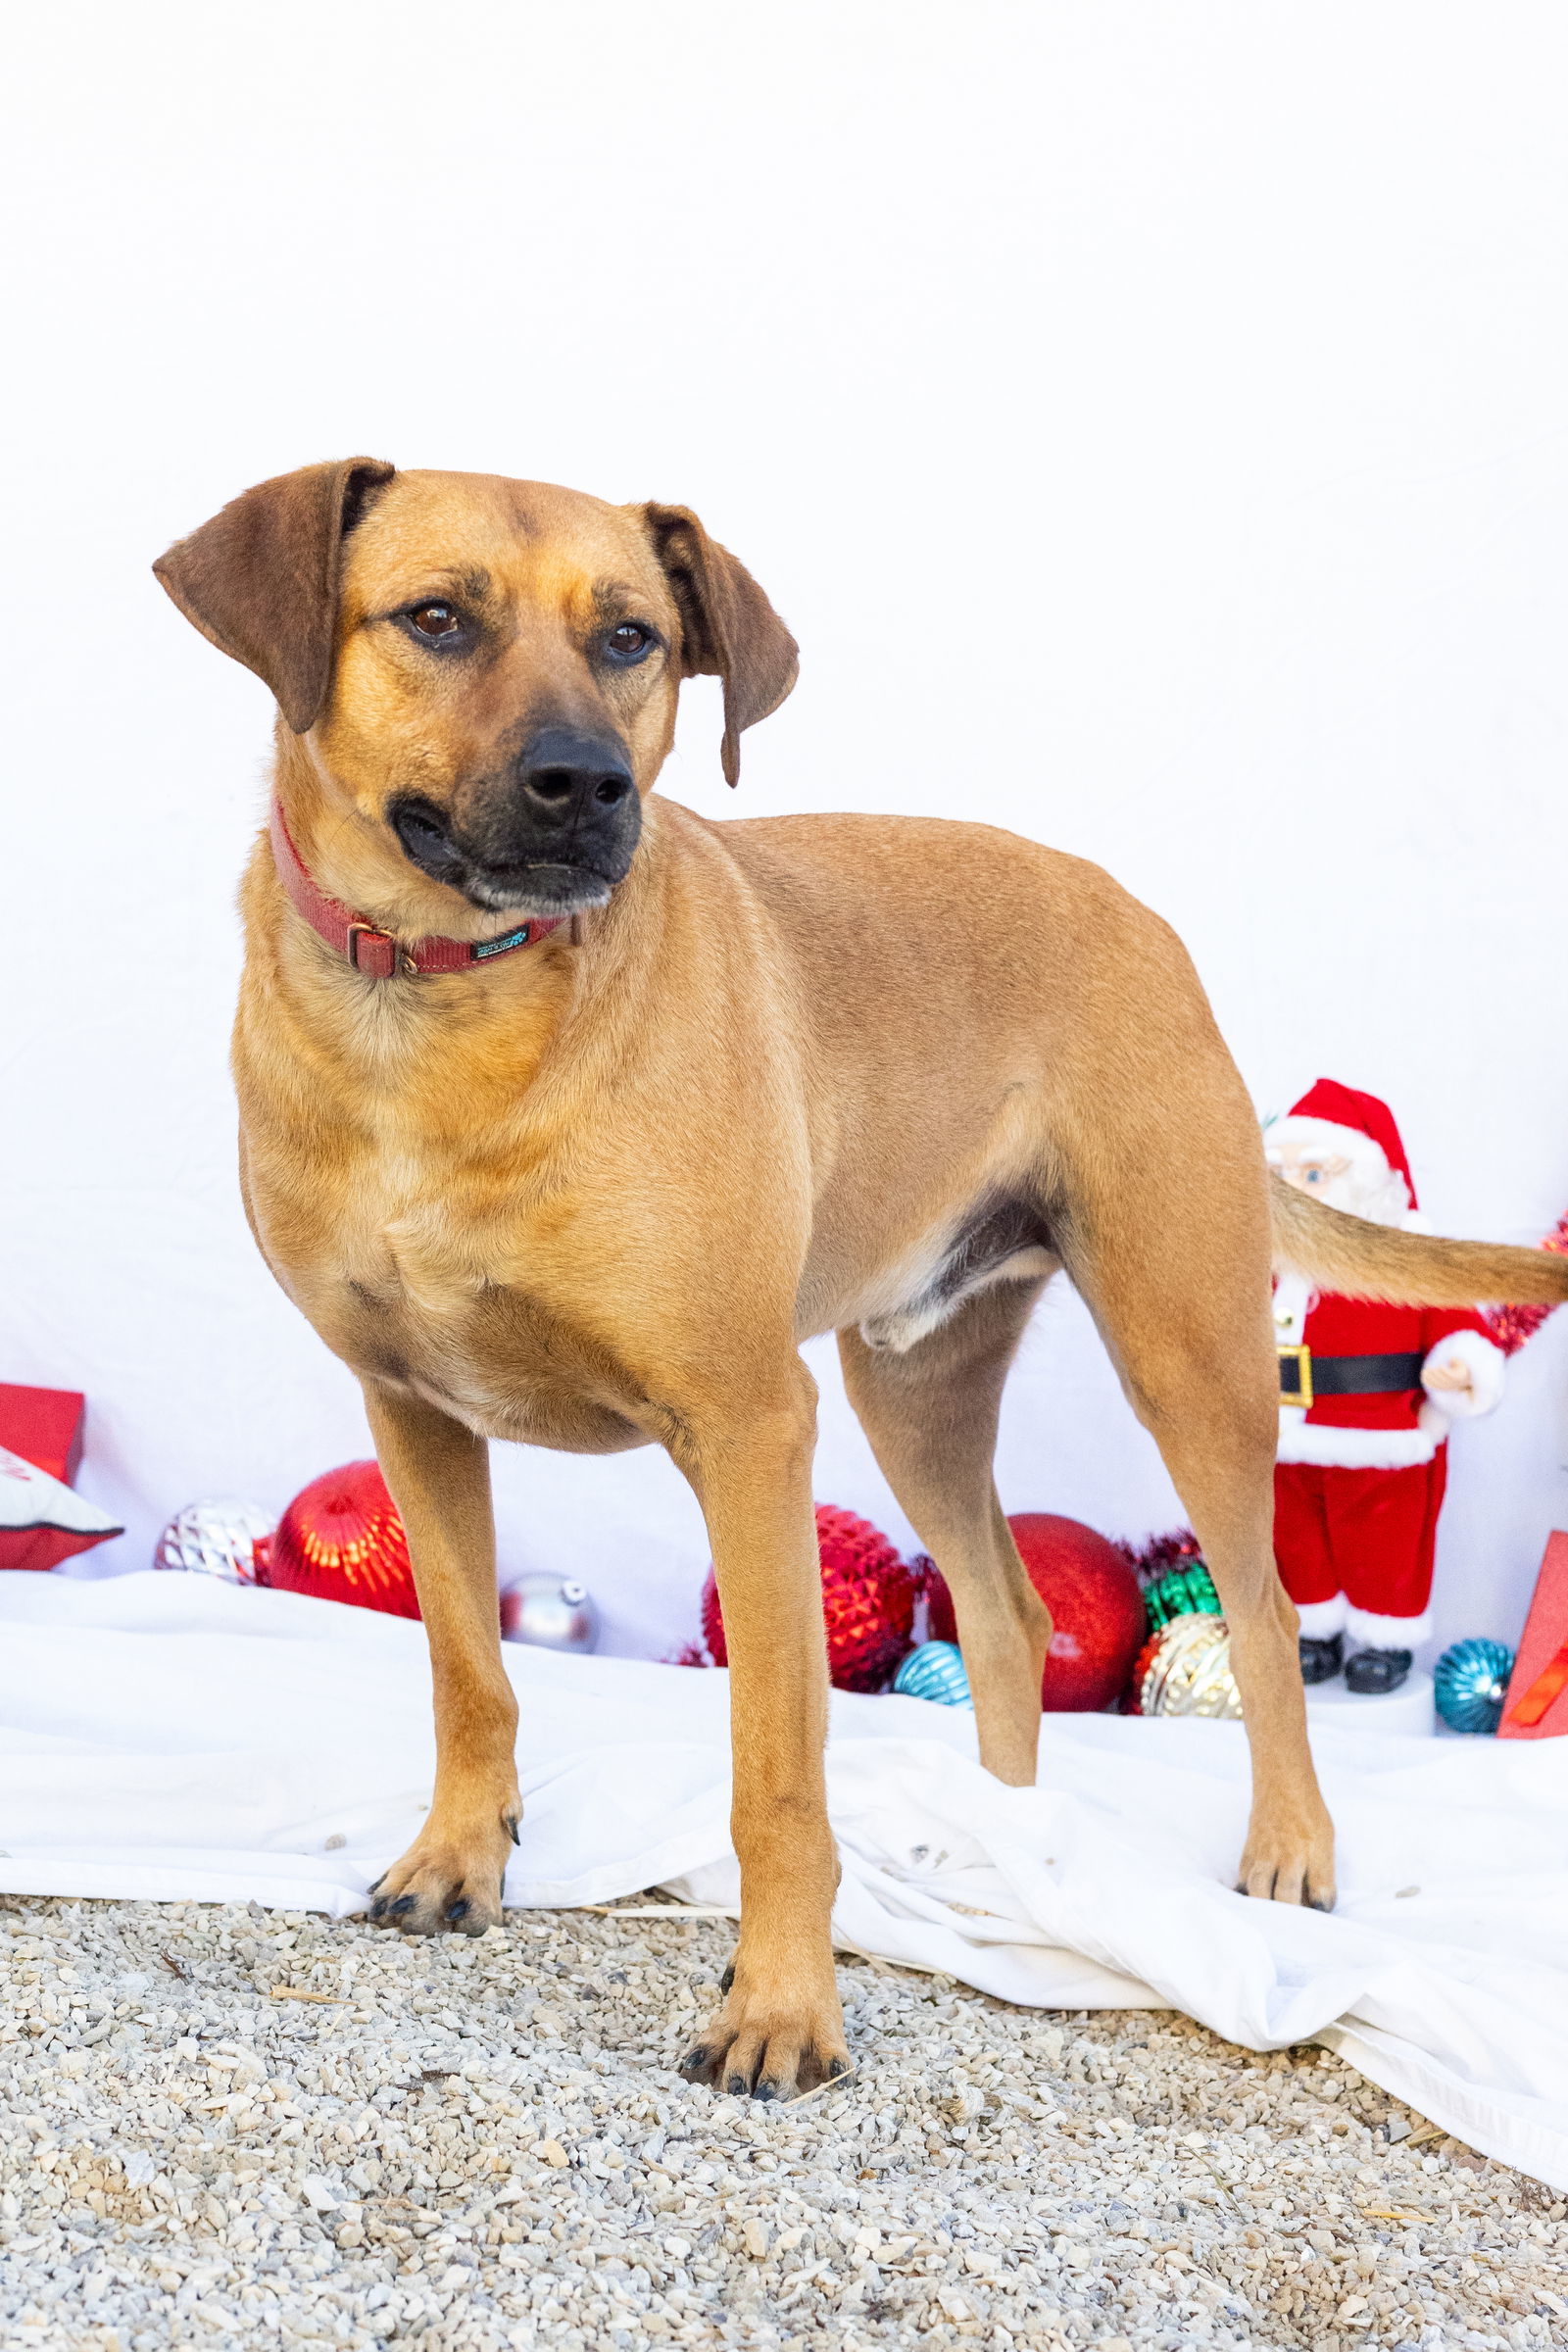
774	2039
446	1880
1289	1859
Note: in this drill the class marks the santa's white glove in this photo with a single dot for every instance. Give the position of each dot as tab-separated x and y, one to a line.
1463	1375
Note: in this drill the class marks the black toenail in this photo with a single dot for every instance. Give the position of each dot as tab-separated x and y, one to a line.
459	1909
837	2067
768	2090
737	2086
513	1831
695	2060
727	1979
405	1902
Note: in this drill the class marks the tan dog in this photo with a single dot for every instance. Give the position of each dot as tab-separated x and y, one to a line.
592	1189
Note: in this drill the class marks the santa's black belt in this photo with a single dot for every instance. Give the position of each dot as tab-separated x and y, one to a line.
1304	1377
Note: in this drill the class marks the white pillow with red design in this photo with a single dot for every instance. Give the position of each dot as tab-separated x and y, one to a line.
42	1521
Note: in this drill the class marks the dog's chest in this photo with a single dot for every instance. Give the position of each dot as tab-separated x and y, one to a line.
408	1234
437	1279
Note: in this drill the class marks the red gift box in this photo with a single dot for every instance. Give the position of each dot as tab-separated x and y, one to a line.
42	1522
1537	1705
43	1426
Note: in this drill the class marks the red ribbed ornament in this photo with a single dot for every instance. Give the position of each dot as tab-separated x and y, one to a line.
868	1603
1097	1609
341	1540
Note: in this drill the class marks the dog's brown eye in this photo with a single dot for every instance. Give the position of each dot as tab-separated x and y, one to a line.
435	620
629	642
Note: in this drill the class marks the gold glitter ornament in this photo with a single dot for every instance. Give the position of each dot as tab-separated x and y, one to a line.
1186	1670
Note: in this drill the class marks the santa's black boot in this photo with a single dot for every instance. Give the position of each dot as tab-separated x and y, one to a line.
1321	1659
1374	1673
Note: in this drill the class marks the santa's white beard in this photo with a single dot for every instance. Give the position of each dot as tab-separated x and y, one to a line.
1385	1203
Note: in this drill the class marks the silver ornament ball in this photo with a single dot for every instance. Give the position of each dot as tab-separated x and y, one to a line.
215	1539
550	1612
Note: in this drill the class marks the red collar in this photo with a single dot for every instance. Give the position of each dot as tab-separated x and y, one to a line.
375	953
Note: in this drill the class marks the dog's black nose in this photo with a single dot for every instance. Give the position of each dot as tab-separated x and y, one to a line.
568	778
552	830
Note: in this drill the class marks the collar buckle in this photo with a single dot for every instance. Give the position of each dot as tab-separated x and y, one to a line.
370	952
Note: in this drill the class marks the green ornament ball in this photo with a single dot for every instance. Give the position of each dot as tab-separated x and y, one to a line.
1187	1592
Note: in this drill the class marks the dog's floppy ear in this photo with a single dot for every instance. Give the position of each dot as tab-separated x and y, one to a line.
729	628
260	580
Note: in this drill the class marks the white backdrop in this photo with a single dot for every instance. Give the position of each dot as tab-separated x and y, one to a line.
1150	421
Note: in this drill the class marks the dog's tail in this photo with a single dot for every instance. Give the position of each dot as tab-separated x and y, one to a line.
1347	1254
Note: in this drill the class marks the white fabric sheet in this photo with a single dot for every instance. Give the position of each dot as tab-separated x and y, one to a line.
166	1737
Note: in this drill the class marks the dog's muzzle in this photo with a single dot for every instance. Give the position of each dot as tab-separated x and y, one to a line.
557	834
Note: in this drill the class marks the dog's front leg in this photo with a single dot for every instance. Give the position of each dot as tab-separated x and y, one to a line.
439	1474
781	2029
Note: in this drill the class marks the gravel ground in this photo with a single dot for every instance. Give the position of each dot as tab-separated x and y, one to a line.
221	2125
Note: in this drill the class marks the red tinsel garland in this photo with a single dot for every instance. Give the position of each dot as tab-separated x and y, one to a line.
1511	1326
1158	1553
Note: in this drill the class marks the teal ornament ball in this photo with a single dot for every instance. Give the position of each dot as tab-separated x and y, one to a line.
1470	1683
935	1671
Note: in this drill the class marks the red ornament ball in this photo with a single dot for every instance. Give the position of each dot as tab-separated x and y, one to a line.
868	1603
941	1619
341	1540
1096	1605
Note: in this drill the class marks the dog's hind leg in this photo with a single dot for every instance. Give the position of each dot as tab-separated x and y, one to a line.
1174	1266
930	1414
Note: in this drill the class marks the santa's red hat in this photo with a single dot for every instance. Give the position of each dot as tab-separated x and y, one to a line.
1347	1119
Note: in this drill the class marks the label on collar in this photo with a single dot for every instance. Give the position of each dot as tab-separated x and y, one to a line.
497	946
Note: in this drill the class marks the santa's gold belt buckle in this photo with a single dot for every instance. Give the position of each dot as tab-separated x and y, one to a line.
1296	1376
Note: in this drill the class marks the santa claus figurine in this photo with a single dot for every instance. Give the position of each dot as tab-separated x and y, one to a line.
1366	1396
